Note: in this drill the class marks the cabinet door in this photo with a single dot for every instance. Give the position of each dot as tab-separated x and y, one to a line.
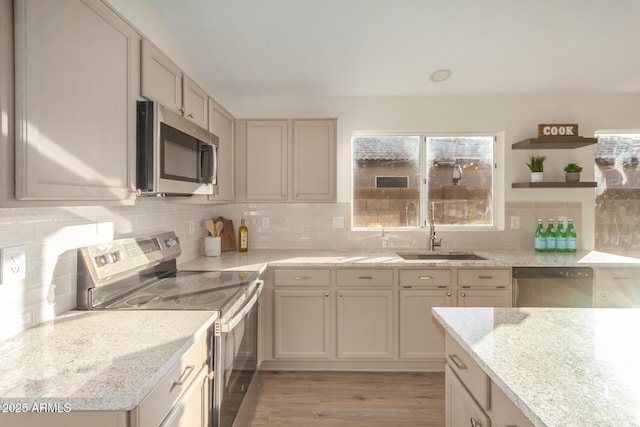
314	160
267	160
221	124
161	78
77	79
302	324
484	298
365	324
421	337
193	409
460	407
195	102
618	298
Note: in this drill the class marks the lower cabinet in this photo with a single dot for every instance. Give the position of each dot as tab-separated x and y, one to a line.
420	335
365	324
617	288
193	409
302	324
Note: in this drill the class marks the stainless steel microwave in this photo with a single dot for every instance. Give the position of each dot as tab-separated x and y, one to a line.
174	156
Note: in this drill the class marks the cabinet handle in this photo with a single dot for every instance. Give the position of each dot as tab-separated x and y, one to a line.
190	115
475	422
620	278
365	277
340	294
295	196
485	277
185	374
408	287
463	294
181	110
326	294
456	361
425	277
284	196
302	277
448	294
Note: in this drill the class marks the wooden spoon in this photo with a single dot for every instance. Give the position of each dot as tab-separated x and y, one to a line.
210	227
219	227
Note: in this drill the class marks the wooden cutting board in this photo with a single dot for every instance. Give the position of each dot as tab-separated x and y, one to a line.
227	236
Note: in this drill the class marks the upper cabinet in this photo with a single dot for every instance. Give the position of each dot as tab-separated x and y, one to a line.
222	124
76	83
164	82
287	160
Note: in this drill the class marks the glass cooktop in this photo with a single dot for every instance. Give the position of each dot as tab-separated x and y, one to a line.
187	290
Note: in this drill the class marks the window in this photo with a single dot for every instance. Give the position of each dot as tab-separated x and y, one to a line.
617	228
399	179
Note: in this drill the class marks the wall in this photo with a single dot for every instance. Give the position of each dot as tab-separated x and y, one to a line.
51	236
515	116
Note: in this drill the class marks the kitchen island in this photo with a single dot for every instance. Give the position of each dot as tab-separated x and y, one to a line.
559	366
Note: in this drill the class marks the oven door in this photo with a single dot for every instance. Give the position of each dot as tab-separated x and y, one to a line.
236	357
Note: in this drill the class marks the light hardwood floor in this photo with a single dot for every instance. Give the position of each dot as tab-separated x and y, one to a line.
350	399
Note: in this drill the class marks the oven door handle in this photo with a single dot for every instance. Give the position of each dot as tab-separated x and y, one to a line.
229	322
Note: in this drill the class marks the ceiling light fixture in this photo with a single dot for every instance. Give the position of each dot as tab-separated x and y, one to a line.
440	75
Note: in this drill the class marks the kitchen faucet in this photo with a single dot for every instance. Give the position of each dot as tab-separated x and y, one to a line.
433	241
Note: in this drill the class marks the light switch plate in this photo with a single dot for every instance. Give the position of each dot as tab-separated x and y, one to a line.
515	222
337	222
13	264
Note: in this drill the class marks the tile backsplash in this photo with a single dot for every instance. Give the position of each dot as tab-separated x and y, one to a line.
52	235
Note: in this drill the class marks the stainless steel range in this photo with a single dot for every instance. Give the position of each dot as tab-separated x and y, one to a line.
142	274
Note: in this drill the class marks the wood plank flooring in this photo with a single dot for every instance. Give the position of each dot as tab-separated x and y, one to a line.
350	399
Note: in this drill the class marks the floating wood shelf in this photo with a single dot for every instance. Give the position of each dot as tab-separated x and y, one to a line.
586	184
553	143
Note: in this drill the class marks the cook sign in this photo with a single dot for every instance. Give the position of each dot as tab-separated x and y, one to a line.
557	130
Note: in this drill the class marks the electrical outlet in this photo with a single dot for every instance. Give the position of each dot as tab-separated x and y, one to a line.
515	222
13	264
192	227
265	222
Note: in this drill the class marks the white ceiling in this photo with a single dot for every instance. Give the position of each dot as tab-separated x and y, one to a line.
387	47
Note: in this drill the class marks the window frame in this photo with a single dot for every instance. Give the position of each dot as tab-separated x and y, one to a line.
498	178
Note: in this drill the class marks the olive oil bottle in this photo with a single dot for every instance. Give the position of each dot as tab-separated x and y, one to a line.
243	237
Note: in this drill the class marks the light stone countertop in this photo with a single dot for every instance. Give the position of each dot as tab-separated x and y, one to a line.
259	259
96	360
560	366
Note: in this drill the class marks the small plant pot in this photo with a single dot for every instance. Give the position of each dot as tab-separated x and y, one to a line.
572	176
537	176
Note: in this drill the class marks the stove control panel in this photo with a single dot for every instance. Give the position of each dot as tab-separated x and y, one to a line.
124	255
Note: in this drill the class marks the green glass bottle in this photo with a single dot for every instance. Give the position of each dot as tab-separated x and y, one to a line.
539	241
561	237
571	237
550	237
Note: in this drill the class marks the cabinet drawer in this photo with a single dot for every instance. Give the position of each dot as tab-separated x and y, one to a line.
164	396
618	278
484	277
471	375
364	277
302	276
432	278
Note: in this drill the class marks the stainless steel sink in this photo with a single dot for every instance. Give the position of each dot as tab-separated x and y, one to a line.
441	256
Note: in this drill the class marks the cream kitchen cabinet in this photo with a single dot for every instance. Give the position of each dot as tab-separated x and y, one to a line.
484	287
164	82
222	124
75	116
617	288
287	160
365	326
460	407
420	335
302	324
421	338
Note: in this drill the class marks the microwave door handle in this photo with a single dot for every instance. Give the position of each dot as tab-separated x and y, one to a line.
214	166
206	154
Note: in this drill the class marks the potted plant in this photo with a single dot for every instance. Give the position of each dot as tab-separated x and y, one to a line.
536	166
572	172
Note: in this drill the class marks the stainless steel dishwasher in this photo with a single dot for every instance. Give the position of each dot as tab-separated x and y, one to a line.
553	287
